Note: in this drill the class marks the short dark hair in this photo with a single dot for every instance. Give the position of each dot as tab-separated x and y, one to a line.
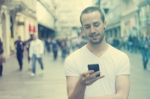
92	9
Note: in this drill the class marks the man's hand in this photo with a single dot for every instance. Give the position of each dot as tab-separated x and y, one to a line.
90	77
76	85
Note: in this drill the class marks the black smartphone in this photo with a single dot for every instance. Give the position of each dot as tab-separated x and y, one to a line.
94	67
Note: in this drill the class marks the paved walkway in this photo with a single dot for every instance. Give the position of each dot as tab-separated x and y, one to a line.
51	85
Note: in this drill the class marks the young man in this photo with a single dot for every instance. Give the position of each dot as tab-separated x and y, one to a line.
36	51
113	82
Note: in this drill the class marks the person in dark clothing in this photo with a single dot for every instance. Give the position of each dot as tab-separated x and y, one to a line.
48	44
64	49
1	58
19	52
116	43
145	46
55	49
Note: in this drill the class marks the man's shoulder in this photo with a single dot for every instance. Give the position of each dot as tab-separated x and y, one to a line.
74	53
39	40
117	53
119	58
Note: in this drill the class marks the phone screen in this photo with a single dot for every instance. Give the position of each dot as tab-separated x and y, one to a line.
94	67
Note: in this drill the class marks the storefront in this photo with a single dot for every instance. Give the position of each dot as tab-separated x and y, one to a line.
113	30
144	18
130	23
15	20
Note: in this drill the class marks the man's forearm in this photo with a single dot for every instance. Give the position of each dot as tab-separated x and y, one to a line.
78	92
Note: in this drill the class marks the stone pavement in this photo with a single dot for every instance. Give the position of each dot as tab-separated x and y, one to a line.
20	85
140	79
52	85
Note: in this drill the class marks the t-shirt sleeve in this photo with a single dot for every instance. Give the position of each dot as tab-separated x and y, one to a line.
70	68
124	65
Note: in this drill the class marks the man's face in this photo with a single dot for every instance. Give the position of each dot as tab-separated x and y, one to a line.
34	37
19	38
93	26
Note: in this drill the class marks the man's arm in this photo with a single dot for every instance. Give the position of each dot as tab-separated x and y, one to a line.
122	89
42	48
76	85
75	89
30	50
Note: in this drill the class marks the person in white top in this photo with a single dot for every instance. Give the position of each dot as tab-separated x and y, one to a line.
112	79
35	52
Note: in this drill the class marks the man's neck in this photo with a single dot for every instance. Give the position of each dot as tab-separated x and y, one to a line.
98	49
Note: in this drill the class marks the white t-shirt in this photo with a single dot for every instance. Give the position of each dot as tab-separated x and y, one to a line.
112	63
36	47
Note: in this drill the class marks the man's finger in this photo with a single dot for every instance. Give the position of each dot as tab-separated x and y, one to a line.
97	73
101	76
91	81
87	73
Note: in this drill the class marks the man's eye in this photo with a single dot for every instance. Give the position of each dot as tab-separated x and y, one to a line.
96	24
87	27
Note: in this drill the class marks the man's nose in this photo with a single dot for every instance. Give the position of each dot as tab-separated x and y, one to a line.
92	29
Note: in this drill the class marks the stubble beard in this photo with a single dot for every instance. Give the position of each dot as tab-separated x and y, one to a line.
98	41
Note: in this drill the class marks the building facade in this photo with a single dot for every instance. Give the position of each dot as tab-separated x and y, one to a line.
17	18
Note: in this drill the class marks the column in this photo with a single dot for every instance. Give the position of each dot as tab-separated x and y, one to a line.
5	32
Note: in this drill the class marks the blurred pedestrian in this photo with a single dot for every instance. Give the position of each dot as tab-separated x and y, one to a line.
19	52
2	59
64	49
36	51
55	47
48	44
145	47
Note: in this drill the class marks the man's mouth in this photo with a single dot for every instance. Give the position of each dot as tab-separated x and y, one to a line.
94	35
